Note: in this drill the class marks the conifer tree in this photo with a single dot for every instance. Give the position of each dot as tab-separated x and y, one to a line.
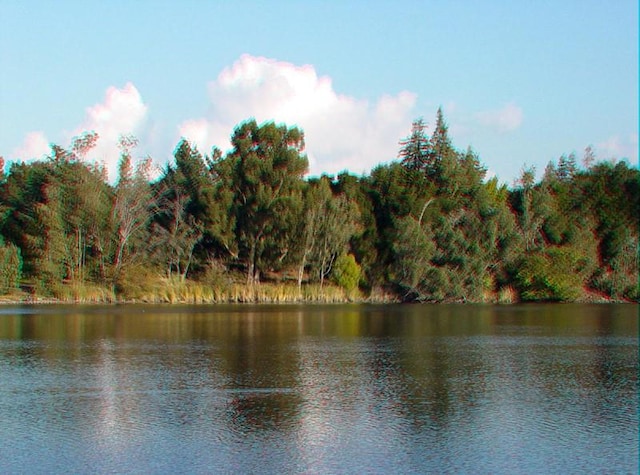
415	149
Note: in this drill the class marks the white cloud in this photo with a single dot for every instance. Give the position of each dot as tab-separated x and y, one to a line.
121	112
34	146
506	119
341	132
617	147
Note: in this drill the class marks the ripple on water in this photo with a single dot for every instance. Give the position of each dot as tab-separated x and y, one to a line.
503	401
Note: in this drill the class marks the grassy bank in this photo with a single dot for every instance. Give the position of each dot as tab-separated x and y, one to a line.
175	291
188	292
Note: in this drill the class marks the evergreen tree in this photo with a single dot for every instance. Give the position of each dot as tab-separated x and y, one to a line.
415	149
267	169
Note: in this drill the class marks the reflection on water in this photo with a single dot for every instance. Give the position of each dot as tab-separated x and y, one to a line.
321	389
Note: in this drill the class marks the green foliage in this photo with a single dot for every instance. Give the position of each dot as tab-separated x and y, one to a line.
428	227
266	167
346	272
415	149
414	248
206	181
364	243
327	223
137	282
554	275
10	268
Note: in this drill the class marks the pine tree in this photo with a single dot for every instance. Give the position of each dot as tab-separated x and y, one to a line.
414	150
267	168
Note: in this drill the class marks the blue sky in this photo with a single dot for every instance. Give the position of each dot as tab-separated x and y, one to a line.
520	82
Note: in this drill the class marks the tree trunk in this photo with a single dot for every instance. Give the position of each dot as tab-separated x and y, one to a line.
301	270
251	265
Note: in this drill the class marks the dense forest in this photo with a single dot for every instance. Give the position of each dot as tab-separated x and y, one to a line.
426	227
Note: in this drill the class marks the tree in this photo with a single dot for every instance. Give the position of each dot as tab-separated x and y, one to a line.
133	203
10	267
175	233
554	274
611	195
589	157
414	250
206	181
316	195
567	167
85	202
22	192
441	153
364	243
56	213
267	167
531	205
415	149
338	220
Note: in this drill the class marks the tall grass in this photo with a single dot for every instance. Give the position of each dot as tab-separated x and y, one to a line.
174	291
84	293
507	295
155	289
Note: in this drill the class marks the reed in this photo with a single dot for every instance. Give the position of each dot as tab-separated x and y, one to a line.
156	289
84	293
380	295
507	295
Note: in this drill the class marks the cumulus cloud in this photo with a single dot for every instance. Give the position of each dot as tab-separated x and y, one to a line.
121	112
34	146
506	119
341	132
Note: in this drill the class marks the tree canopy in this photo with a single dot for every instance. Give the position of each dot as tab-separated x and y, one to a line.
428	226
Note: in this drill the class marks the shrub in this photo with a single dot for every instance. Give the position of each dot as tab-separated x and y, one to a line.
346	272
556	274
137	282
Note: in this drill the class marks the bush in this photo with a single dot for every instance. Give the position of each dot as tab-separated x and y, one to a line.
346	272
555	274
137	282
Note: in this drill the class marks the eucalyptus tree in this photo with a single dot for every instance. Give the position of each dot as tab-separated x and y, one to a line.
316	194
133	205
174	233
328	223
364	243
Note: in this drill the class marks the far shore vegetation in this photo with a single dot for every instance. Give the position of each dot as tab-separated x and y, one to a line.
247	226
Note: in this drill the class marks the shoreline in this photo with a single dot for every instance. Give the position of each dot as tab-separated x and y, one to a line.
30	301
192	293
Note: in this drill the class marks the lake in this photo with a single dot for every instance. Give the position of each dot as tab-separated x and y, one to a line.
319	389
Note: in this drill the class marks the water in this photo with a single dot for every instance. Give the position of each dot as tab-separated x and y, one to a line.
319	389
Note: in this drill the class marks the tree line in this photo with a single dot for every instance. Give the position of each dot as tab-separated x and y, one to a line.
428	226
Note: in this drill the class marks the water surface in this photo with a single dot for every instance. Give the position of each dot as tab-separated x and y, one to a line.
319	389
